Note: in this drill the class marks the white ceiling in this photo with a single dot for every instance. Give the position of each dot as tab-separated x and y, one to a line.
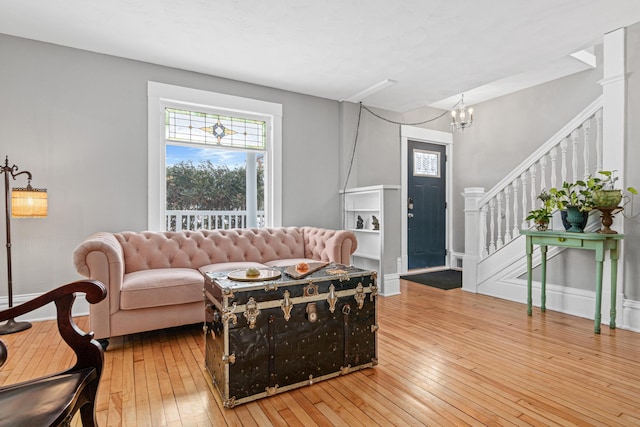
335	49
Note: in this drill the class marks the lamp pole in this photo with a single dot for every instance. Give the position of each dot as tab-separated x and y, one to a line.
11	326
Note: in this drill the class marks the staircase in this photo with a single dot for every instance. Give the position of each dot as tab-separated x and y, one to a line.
494	256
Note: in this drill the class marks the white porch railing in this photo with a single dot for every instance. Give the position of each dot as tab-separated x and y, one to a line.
176	220
493	219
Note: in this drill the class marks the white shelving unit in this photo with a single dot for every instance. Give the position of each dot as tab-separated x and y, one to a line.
378	248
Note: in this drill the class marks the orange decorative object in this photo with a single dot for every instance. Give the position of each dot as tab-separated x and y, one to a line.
302	267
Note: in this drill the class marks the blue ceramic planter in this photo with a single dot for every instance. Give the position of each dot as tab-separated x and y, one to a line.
574	220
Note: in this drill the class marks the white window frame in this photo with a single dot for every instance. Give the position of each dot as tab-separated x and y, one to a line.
161	95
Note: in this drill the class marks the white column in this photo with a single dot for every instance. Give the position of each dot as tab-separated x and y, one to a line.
252	190
473	228
613	135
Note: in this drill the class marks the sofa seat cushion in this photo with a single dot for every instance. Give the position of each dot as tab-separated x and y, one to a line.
289	261
230	266
161	287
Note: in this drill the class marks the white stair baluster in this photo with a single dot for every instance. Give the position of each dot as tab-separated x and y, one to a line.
543	173
574	155
499	241
586	148
563	149
507	214
516	230
534	193
492	226
598	140
523	179
554	155
483	232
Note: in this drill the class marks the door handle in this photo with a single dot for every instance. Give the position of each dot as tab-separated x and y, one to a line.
410	215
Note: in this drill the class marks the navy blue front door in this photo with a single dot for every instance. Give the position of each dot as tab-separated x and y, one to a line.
426	206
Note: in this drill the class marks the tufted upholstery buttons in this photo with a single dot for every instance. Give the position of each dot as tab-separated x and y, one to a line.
193	249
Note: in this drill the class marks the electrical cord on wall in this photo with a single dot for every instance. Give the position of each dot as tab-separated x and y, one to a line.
355	143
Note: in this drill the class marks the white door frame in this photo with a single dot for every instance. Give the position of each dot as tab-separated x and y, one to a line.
414	133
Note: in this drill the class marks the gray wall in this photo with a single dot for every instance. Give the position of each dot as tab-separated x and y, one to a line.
78	121
376	159
377	156
506	130
632	225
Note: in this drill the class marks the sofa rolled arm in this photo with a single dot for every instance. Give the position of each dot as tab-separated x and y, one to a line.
329	245
100	257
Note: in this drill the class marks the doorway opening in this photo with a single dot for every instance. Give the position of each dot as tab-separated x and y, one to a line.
426	192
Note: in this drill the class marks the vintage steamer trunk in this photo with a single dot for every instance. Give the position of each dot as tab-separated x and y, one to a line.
269	337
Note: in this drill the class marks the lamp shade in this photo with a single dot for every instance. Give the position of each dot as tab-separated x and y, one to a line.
29	202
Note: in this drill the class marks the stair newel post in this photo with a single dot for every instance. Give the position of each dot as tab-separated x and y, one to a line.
523	179
507	214
563	148
514	184
475	236
586	128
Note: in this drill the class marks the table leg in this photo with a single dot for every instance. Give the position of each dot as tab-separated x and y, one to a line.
614	285
543	278
529	273
598	314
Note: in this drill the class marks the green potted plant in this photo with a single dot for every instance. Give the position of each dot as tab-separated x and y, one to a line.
607	199
542	215
575	194
604	192
575	200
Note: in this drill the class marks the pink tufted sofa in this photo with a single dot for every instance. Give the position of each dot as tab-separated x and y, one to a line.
155	281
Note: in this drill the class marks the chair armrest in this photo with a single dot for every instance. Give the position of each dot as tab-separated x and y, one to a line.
54	399
88	351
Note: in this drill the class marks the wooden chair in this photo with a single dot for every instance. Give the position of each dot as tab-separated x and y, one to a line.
54	399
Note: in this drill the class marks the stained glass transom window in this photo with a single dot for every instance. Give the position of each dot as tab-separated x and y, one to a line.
426	163
214	129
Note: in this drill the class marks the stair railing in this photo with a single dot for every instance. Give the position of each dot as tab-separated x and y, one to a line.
494	218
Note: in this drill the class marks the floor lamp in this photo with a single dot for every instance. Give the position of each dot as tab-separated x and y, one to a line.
26	202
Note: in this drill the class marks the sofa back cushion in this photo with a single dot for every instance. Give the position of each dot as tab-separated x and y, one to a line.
193	249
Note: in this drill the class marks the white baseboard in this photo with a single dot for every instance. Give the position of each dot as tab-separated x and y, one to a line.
391	285
631	315
576	302
48	312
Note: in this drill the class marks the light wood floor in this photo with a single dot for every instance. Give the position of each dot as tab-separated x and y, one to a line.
446	358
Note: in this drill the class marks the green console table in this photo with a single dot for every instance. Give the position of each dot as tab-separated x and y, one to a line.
599	243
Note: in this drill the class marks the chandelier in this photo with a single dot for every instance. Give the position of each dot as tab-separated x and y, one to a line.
462	117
